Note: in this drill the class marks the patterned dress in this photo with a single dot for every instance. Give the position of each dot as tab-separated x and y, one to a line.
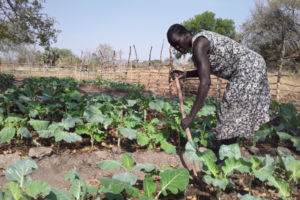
245	104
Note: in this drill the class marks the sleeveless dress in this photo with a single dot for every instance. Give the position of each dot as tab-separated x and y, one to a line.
246	100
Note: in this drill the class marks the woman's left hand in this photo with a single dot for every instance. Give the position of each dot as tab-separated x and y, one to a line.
186	122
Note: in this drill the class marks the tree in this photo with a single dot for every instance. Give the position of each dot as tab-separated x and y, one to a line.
262	30
50	55
106	52
207	21
22	22
64	53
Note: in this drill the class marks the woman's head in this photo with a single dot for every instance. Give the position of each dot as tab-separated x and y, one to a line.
180	38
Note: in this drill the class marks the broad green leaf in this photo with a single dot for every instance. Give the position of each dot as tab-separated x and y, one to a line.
194	155
109	164
6	134
207	110
111	196
82	130
209	166
13	117
142	139
94	115
157	105
283	136
146	167
75	96
126	177
72	174
216	182
127	160
255	162
248	197
132	102
174	180
162	135
281	185
24	132
75	189
58	194
261	135
167	147
70	122
229	151
128	132
18	171
149	186
46	133
13	192
280	127
294	167
268	166
288	111
232	164
296	142
116	186
39	124
38	187
92	190
66	136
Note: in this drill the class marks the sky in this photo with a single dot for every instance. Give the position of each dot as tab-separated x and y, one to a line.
144	23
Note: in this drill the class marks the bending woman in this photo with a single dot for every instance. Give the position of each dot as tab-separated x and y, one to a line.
245	104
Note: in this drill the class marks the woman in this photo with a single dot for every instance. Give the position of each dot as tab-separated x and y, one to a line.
245	104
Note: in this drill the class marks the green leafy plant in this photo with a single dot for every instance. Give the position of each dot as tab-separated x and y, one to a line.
57	130
172	180
13	124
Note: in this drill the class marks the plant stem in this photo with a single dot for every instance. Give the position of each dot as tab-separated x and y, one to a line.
119	139
178	138
145	116
250	183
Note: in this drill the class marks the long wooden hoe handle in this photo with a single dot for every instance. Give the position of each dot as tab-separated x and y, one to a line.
188	133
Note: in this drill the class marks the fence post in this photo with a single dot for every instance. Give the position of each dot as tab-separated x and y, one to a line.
137	64
149	69
129	62
120	65
0	66
281	59
159	68
114	65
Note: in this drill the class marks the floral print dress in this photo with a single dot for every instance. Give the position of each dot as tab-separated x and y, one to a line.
245	104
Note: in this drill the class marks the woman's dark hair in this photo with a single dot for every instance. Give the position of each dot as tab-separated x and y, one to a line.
176	30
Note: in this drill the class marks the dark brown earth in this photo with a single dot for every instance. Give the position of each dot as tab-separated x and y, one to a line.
81	157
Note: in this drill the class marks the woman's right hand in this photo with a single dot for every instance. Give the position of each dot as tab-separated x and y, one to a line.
178	73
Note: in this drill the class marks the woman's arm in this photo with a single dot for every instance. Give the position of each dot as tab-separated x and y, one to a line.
200	50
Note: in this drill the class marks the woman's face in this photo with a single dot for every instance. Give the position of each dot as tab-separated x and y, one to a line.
180	43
